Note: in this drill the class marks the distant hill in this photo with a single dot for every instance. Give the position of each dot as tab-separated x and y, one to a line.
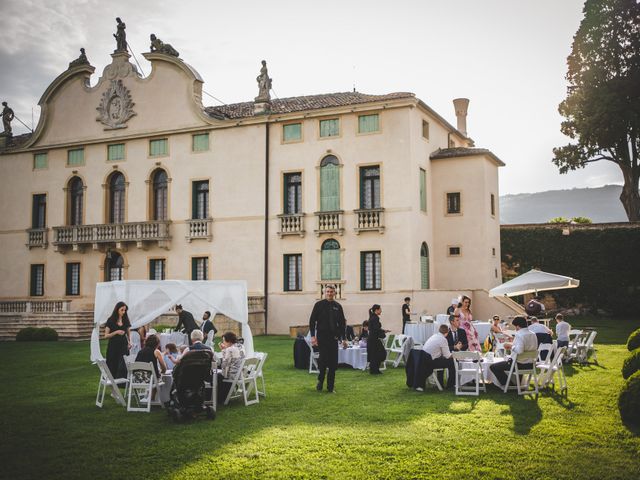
601	205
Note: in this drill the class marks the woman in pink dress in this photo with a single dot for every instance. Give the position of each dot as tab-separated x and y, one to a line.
464	313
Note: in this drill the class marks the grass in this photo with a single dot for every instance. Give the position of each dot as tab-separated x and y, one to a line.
374	427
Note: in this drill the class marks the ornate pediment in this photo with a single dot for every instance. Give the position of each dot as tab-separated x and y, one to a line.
116	107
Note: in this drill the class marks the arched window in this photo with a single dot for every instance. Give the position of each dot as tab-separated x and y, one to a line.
424	266
330	259
113	267
329	184
116	198
160	197
76	194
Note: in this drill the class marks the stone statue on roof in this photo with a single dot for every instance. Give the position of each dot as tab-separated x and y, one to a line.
81	60
264	84
7	117
159	46
120	36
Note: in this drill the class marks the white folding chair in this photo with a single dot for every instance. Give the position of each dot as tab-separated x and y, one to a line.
523	388
433	378
244	382
135	343
499	340
262	357
548	372
587	349
396	352
209	340
468	363
575	346
549	349
142	381
313	356
107	381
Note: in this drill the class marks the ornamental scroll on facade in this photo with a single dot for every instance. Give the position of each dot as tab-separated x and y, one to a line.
116	106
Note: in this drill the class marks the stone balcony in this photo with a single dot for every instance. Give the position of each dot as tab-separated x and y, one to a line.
370	220
339	284
330	223
291	224
37	237
120	234
201	228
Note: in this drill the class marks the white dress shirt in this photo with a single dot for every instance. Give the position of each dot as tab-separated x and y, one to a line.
539	328
524	341
437	346
562	331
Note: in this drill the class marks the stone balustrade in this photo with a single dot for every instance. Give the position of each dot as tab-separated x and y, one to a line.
199	228
330	222
370	220
291	224
38	237
138	232
34	306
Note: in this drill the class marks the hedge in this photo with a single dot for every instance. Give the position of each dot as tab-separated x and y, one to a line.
34	334
634	340
629	401
631	364
605	260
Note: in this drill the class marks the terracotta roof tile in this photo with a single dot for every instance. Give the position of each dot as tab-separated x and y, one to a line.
299	104
464	152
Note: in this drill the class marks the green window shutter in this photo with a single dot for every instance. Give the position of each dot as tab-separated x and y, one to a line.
424	272
329	188
368	123
292	132
330	265
329	128
194	269
115	152
40	161
423	190
200	142
158	147
75	157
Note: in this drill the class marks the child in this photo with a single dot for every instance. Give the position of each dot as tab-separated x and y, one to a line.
562	331
170	355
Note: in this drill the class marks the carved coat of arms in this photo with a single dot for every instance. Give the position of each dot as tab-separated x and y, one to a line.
116	107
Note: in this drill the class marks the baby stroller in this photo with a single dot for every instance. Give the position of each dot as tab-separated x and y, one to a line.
188	393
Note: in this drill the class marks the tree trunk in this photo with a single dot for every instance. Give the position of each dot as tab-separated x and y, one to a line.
630	197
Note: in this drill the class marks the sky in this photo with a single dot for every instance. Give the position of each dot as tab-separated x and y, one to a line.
508	57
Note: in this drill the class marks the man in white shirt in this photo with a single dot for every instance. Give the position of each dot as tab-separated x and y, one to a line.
537	327
439	356
523	341
562	331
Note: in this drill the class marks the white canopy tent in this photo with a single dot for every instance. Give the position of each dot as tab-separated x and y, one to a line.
148	299
533	281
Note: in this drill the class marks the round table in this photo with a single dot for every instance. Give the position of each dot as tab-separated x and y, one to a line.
354	356
420	332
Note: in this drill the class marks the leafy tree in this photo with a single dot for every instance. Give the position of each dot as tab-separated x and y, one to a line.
602	108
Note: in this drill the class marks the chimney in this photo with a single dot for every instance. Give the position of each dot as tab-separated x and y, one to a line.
461	105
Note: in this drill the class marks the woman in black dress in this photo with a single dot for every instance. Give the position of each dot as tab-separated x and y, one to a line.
150	353
376	353
117	330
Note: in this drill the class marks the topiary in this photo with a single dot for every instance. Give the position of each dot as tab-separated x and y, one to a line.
634	340
631	364
33	334
629	401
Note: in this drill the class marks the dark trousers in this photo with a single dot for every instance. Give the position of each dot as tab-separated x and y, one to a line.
501	370
404	322
328	360
441	362
562	343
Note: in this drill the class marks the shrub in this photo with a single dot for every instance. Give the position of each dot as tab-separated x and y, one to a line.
629	401
634	340
631	364
34	334
582	220
559	220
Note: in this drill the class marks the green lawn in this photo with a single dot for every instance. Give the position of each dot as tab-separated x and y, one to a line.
374	427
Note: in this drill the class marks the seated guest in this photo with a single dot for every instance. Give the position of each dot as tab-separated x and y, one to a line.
543	334
457	337
232	355
453	306
207	324
349	334
523	341
364	332
196	342
151	353
171	355
439	356
562	331
496	328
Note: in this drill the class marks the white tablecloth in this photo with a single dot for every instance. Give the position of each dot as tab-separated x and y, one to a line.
442	319
354	356
483	329
178	338
420	332
488	374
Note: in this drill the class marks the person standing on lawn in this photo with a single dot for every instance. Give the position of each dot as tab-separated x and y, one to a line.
376	353
406	312
327	327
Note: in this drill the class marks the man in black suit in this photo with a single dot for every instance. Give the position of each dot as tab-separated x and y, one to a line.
457	337
186	319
